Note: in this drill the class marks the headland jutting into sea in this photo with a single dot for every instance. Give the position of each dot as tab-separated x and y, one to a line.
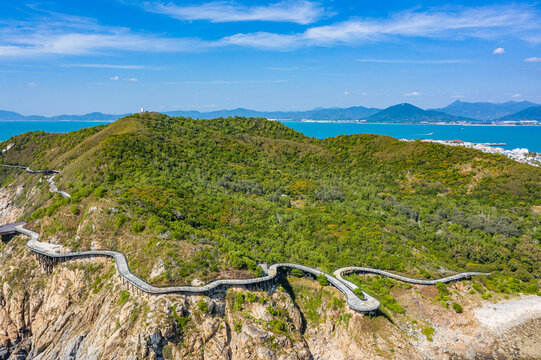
521	155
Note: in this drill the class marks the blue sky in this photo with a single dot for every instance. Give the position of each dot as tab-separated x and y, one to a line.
117	55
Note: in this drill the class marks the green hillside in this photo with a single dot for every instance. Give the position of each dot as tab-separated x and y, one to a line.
212	197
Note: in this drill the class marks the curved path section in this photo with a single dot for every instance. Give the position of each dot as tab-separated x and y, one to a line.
369	304
52	185
355	269
366	304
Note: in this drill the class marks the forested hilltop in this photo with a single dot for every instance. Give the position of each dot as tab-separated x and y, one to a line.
212	198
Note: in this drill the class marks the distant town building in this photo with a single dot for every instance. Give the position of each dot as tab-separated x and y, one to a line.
522	155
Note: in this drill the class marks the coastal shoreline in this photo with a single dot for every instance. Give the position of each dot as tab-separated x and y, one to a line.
389	123
360	122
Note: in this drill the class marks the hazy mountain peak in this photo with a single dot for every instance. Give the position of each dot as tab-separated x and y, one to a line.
485	110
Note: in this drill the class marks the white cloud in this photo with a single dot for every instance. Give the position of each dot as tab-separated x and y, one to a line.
300	11
68	35
118	78
514	96
499	51
462	22
262	40
81	44
346	92
31	84
481	22
58	34
413	93
533	59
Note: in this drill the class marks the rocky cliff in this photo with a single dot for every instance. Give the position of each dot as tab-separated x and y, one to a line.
82	310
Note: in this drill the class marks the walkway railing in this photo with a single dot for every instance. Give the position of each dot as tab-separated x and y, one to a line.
355	269
366	304
369	304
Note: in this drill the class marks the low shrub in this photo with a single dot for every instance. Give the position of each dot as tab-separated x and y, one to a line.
277	326
359	293
120	219
137	227
250	297
296	272
203	305
442	289
238	326
134	313
124	296
239	301
486	296
477	287
429	333
322	280
457	307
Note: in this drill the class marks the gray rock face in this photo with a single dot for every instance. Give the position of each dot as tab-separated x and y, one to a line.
71	349
157	341
21	349
4	353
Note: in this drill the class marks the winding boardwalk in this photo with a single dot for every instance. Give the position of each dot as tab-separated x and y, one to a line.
355	269
52	185
50	254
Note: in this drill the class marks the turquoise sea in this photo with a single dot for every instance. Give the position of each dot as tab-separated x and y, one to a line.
513	136
14	127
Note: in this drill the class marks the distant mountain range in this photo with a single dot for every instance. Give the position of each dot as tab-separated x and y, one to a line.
95	116
458	111
485	110
407	113
531	113
352	113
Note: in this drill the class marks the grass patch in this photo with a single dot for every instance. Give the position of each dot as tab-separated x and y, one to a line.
428	332
124	296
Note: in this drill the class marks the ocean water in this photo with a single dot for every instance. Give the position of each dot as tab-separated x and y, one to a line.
11	128
513	136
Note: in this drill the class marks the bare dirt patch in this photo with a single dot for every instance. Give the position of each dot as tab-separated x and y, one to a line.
428	291
507	314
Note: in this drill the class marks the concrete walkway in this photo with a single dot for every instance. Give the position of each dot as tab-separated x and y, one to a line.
52	185
355	269
369	304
